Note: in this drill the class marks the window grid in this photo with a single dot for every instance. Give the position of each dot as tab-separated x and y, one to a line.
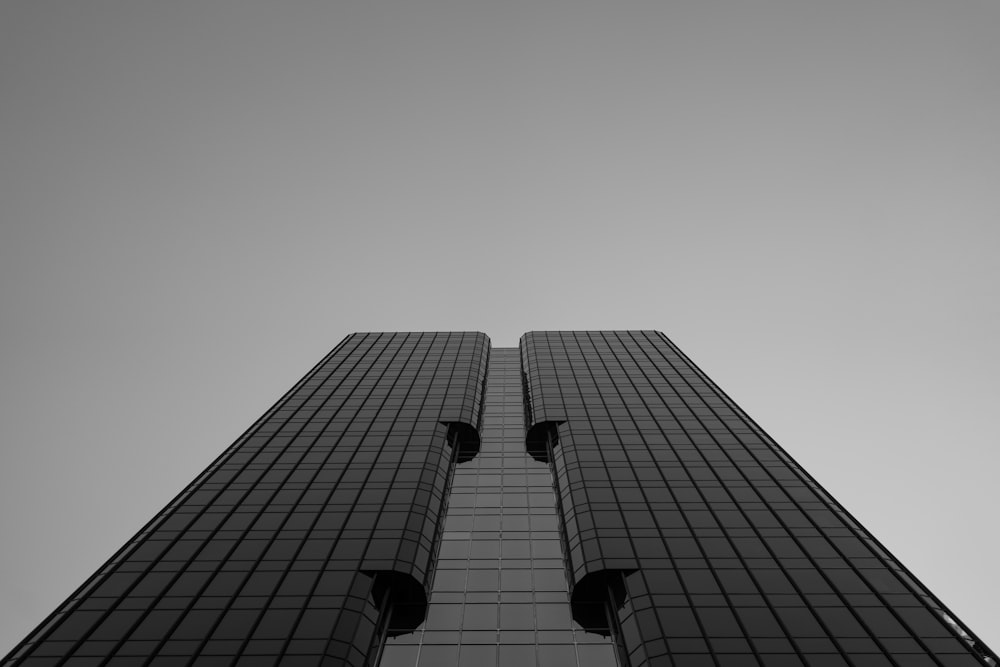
271	553
499	596
642	489
738	558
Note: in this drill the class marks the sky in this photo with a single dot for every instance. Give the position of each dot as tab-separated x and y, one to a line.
199	199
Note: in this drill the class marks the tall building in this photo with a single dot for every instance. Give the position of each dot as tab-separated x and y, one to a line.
588	499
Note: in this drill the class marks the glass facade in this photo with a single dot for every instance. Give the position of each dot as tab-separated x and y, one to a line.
587	499
305	539
500	594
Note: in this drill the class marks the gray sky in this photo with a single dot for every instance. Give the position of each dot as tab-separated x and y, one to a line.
199	199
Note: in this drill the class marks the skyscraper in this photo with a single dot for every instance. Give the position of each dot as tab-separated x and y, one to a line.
589	498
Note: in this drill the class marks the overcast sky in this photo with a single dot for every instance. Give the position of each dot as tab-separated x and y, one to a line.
198	199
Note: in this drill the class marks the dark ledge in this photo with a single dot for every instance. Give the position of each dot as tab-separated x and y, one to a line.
536	441
595	595
466	437
407	597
